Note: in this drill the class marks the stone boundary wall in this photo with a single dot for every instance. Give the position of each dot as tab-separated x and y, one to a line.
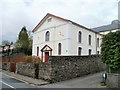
6	66
27	69
0	65
60	68
68	67
45	71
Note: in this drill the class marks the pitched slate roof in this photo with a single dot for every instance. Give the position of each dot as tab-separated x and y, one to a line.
48	14
114	25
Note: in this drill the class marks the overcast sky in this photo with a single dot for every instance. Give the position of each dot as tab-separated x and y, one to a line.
18	13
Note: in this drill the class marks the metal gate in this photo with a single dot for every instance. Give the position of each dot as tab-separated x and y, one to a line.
13	67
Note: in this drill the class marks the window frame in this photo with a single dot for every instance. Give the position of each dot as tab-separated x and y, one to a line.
89	39
37	51
47	36
90	51
59	48
98	42
79	51
79	36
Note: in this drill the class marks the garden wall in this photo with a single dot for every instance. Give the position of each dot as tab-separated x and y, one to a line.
61	68
45	71
68	67
6	66
27	69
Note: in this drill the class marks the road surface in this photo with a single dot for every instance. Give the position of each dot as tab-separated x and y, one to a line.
10	82
89	81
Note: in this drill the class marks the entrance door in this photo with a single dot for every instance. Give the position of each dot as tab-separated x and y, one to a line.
46	56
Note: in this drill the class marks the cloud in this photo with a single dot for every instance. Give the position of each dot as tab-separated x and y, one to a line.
19	13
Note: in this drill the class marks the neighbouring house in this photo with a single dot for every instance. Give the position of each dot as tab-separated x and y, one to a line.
6	50
113	27
56	36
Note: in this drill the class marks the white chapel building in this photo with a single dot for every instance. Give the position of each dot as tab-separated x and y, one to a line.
56	36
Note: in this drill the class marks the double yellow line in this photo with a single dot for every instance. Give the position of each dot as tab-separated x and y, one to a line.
18	79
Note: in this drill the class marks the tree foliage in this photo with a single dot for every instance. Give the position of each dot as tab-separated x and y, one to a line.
24	42
110	50
5	42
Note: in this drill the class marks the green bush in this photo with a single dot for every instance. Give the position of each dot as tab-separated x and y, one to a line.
110	50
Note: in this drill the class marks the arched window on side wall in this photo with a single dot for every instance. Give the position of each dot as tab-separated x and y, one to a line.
47	36
59	48
89	39
79	36
37	51
90	51
98	42
79	51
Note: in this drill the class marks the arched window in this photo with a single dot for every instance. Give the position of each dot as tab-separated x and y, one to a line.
90	52
97	42
37	51
79	36
89	40
59	48
79	51
47	36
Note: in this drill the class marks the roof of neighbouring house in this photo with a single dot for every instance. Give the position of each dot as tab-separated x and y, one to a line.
114	25
48	14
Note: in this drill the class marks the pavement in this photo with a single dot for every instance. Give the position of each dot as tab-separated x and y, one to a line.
26	79
88	81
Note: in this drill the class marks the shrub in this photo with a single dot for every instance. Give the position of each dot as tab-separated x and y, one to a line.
110	50
29	59
34	59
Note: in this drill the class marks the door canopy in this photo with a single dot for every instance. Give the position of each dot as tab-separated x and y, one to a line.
46	48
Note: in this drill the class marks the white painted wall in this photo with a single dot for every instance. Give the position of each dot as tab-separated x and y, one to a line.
65	33
84	43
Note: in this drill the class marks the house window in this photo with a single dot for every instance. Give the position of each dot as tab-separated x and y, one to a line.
37	51
97	42
47	36
98	52
59	48
79	51
90	51
89	40
79	36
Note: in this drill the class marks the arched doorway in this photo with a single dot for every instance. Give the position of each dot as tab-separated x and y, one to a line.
46	51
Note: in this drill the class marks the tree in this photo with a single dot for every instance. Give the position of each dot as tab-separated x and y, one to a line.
5	42
23	43
110	50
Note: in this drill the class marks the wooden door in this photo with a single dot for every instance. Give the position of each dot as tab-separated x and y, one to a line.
46	56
